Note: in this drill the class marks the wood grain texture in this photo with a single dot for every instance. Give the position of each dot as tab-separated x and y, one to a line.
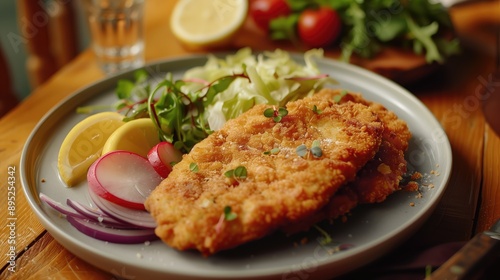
489	211
47	259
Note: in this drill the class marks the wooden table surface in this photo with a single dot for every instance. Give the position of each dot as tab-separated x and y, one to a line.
470	204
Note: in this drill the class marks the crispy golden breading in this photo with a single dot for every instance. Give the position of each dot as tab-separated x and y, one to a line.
340	204
279	188
379	178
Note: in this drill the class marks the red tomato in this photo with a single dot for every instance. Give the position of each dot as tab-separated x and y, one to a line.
319	28
263	11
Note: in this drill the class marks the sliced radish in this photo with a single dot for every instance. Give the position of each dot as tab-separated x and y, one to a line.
161	157
124	178
124	236
139	218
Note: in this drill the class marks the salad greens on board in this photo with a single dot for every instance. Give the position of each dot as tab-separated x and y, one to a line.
188	109
367	25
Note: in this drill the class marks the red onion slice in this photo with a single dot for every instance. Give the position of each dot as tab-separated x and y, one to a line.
123	236
97	215
109	230
60	207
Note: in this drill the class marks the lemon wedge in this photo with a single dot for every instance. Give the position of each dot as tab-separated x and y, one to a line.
137	136
203	24
83	145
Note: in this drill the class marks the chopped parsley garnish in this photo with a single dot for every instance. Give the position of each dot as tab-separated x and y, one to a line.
316	149
239	172
193	167
303	151
338	98
316	110
272	151
276	114
229	215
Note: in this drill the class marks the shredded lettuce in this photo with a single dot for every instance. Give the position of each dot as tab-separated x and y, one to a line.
273	78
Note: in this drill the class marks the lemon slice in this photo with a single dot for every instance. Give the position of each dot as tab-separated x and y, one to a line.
83	145
137	136
202	23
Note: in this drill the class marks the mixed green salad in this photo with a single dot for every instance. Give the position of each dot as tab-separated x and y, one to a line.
188	109
366	26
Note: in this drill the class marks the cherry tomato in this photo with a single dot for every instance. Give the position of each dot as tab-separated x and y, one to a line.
318	28
263	11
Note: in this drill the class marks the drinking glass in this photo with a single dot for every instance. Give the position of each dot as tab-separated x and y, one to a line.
116	29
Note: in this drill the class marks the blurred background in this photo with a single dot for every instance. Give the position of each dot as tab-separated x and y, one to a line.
15	51
474	31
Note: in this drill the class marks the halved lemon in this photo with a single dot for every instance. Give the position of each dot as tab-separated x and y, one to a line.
83	145
137	136
202	23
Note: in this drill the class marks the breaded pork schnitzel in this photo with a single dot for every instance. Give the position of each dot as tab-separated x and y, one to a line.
379	178
194	207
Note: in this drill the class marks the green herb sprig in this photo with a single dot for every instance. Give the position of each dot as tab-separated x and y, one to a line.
194	167
315	150
276	114
338	98
273	151
229	215
316	110
239	173
327	239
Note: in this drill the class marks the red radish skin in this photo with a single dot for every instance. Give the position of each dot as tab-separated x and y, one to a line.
124	178
161	157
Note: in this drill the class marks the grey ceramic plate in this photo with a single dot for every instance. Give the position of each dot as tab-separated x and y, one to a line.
372	230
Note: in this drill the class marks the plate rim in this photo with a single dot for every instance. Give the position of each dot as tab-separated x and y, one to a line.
35	204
